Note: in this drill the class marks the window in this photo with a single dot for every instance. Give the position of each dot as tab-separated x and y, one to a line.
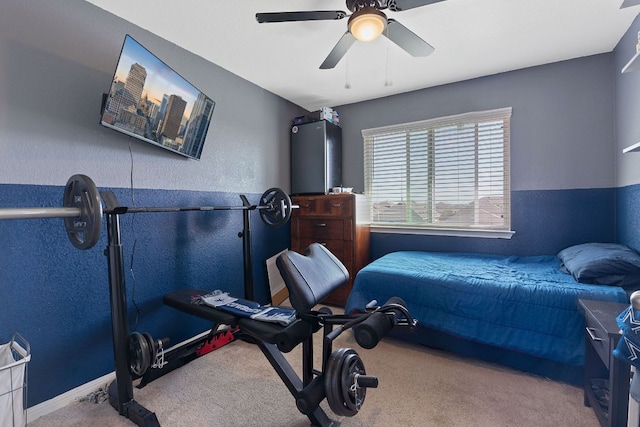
448	175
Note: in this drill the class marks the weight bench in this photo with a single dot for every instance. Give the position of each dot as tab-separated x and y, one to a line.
310	278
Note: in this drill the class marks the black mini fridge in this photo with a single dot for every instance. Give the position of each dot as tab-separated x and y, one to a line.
316	157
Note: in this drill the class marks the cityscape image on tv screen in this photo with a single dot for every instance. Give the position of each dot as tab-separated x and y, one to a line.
148	100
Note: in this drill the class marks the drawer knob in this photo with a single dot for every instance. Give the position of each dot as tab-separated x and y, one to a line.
336	205
590	331
321	224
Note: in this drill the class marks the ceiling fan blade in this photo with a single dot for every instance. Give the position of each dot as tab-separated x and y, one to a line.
311	15
399	5
338	51
406	39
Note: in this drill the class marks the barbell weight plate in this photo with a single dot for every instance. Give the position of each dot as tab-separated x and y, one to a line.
139	354
275	207
339	377
333	383
83	231
352	394
153	347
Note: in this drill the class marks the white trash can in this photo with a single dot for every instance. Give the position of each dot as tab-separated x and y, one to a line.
14	356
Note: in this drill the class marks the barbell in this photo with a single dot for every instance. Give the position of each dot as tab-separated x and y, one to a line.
82	210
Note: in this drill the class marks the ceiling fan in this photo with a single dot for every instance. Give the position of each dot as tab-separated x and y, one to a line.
366	23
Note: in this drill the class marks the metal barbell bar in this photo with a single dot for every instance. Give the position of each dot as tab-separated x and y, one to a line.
155	209
83	210
27	213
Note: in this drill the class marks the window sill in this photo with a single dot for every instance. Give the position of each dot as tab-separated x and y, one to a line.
452	232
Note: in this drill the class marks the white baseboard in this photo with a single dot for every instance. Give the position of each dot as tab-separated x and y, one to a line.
70	396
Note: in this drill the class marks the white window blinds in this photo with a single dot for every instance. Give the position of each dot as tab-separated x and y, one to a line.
446	173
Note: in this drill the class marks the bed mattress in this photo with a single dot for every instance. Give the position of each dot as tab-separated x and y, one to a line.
524	304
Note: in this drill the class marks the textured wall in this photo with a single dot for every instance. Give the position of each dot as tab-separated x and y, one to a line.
58	296
545	221
56	60
628	215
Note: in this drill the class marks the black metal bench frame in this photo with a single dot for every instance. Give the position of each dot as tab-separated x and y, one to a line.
273	340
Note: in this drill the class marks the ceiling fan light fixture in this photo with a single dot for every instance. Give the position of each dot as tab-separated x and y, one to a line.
367	24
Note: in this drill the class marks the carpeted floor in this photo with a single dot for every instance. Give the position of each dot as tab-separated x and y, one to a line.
236	386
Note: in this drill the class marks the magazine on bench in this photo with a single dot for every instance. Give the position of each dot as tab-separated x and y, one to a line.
251	309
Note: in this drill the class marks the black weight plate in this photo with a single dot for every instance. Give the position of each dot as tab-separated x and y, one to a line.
83	231
353	398
139	355
333	382
153	347
275	207
342	366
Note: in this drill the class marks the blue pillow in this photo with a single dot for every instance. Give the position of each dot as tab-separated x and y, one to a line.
589	262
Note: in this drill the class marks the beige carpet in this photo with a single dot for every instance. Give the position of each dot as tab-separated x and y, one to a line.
236	386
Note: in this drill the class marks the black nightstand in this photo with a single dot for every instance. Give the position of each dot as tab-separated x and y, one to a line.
606	378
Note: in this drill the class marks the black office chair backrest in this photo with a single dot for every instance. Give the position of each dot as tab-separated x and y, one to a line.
311	277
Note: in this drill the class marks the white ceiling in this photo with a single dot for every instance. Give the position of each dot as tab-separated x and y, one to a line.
472	38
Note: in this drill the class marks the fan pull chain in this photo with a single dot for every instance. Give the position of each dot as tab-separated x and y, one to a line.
347	85
387	79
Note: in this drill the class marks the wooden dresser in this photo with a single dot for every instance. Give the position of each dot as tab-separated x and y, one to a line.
341	223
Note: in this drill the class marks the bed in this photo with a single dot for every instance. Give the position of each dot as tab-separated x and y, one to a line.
519	311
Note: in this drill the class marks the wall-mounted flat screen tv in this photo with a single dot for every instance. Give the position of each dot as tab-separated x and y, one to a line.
150	101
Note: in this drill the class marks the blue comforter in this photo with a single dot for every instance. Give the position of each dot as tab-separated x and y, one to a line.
525	304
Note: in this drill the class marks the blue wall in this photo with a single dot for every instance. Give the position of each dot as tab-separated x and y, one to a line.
547	221
628	215
58	296
56	60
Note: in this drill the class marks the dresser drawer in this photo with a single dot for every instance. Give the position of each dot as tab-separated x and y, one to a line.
599	339
322	228
334	206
